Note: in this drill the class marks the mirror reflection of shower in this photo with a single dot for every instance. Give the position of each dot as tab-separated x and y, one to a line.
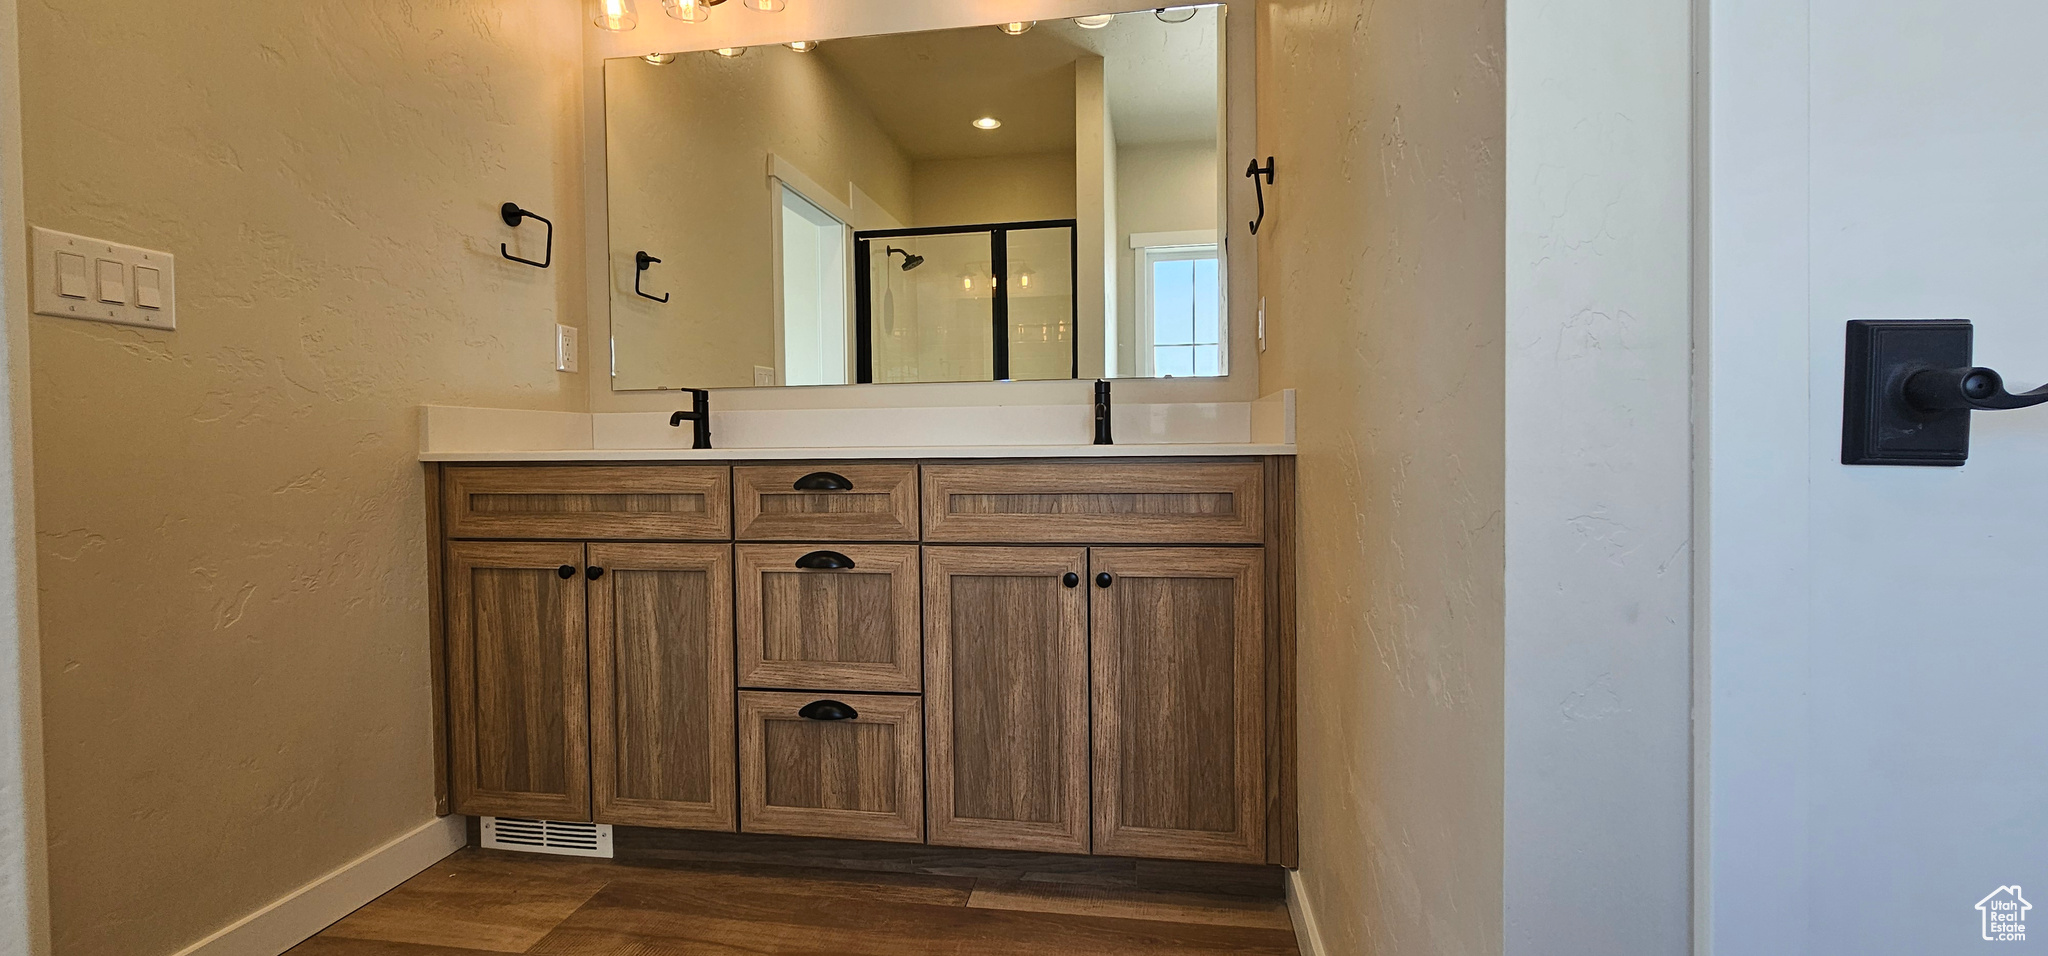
998	303
910	261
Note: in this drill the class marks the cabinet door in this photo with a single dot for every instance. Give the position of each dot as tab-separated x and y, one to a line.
1178	663
838	616
661	685
832	765
1006	697
516	680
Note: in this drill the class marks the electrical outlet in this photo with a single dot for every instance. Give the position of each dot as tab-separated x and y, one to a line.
568	348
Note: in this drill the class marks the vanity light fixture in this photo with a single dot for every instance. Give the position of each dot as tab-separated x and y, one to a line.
1018	27
1174	14
690	11
1095	22
617	16
765	6
987	122
803	46
660	59
731	51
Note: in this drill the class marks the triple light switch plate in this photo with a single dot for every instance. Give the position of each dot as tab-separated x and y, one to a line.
77	277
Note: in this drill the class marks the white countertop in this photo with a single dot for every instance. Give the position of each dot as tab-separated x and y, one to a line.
1189	450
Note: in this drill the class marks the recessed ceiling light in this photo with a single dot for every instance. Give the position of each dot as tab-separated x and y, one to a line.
802	46
660	59
731	51
1018	27
1096	22
987	122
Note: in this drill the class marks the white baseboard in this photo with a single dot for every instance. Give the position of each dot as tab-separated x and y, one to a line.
1306	934
291	919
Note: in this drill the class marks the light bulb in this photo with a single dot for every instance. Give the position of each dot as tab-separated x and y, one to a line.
987	122
766	6
802	46
1096	22
967	283
614	15
688	11
660	59
1024	281
731	51
1018	27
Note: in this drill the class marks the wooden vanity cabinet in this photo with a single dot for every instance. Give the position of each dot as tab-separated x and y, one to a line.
517	691
1006	697
1074	656
1177	658
661	674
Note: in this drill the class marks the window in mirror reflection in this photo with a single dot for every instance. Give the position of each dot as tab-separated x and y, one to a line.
1179	299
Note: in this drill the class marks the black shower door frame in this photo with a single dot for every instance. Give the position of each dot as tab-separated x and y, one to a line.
999	263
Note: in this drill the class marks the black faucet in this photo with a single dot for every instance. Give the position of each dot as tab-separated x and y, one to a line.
699	416
1102	412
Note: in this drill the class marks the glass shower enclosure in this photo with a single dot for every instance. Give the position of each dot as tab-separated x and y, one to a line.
982	303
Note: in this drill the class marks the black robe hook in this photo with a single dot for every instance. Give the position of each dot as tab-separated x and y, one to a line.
1254	172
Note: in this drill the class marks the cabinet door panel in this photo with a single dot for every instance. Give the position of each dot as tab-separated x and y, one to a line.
517	692
1007	697
661	685
858	778
850	628
1178	663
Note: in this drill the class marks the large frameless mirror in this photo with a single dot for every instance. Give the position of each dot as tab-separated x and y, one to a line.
981	204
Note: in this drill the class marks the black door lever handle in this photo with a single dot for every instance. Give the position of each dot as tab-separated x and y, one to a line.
1908	388
1974	386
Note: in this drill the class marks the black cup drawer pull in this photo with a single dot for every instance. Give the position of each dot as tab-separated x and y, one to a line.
825	561
827	710
823	481
565	572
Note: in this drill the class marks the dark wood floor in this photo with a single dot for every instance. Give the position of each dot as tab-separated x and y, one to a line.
485	901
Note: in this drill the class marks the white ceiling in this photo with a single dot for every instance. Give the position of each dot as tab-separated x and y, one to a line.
926	88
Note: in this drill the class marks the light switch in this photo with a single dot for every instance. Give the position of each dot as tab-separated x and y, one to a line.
113	282
71	276
149	288
98	280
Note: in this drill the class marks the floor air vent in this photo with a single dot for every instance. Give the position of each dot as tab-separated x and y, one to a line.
548	836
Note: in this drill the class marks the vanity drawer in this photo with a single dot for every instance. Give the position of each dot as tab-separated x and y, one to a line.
1096	502
853	768
664	502
826	501
844	616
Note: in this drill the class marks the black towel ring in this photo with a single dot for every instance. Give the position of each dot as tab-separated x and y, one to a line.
513	215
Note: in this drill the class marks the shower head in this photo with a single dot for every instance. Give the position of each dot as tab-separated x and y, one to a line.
910	260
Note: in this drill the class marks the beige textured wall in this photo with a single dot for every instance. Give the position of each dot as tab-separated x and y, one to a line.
1381	264
688	147
232	554
952	192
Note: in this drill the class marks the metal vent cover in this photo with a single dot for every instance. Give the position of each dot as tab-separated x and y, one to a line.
548	836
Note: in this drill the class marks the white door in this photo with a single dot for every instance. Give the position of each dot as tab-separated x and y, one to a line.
1875	668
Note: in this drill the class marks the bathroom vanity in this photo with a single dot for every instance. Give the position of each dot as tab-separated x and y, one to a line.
1087	655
